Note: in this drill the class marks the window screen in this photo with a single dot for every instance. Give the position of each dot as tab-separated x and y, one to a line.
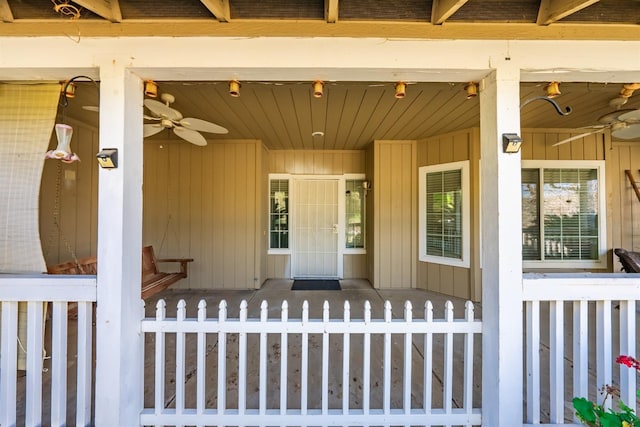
279	214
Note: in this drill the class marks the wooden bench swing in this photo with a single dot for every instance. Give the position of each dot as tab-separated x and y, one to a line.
153	280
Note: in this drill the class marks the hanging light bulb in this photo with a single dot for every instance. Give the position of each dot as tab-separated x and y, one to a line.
317	88
234	88
552	89
401	90
151	89
63	150
471	89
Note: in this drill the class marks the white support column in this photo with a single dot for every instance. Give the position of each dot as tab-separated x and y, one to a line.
502	261
119	376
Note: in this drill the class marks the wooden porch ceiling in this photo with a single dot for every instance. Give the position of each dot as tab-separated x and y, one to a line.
284	115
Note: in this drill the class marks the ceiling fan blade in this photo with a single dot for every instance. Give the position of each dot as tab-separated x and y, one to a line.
202	125
632	116
627	132
92	108
148	117
151	129
190	135
613	116
161	110
582	135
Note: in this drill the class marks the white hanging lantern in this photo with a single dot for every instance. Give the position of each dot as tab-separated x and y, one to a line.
63	150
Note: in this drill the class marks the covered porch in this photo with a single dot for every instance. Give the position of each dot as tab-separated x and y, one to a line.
512	340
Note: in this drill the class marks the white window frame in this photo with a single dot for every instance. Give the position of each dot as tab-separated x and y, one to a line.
599	165
342	213
277	251
463	166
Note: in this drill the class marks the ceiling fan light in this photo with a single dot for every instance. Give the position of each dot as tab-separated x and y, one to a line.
234	88
151	89
471	89
318	86
552	89
401	90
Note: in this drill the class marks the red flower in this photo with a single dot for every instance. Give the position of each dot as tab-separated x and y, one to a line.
628	361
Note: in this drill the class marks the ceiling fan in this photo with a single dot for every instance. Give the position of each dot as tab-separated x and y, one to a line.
624	124
187	128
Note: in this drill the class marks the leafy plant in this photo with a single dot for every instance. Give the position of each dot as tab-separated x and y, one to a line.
594	415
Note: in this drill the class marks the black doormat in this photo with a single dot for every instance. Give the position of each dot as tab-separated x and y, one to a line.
315	285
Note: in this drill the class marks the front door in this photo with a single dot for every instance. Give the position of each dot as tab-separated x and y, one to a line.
315	221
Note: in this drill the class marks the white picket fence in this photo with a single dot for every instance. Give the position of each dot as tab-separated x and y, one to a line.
591	320
282	371
34	388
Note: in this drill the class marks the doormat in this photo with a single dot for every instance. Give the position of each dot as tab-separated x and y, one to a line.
315	285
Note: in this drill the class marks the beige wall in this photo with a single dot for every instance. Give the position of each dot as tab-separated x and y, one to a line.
315	162
204	203
394	190
456	281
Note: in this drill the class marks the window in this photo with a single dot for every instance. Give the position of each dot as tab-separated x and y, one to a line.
444	214
354	214
279	214
563	221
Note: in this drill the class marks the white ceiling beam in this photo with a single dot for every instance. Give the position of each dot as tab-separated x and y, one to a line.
441	10
109	10
5	11
553	10
219	8
331	11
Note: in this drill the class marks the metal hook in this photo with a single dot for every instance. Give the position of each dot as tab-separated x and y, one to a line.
551	101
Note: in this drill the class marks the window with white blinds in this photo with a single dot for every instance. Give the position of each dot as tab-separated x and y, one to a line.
444	214
563	214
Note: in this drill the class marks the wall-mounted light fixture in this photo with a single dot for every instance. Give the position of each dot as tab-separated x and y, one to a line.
511	142
552	89
151	89
401	90
234	88
471	89
108	158
317	85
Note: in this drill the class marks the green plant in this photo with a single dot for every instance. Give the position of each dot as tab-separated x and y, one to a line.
594	415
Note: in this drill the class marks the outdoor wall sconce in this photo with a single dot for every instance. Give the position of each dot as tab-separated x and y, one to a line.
108	158
552	90
234	88
472	90
317	88
401	90
511	142
151	89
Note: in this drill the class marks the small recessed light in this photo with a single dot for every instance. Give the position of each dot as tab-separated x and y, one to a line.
317	133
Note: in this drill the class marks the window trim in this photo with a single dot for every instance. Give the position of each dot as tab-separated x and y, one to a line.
270	250
463	166
599	165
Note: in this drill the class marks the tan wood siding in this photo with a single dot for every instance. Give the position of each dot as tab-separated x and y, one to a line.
395	211
204	203
456	281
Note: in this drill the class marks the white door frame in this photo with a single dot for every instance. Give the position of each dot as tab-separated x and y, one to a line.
341	226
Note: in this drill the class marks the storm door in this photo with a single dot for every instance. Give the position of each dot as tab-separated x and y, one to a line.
315	249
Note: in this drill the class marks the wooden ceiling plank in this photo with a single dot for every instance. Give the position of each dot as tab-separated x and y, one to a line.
443	9
553	10
219	8
331	11
5	11
109	10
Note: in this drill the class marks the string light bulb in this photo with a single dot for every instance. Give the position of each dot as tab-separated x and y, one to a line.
318	86
552	89
151	89
401	90
471	89
234	88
